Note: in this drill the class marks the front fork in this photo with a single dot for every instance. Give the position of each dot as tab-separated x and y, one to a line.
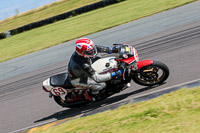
138	65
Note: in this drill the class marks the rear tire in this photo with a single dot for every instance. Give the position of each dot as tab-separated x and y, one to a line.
151	75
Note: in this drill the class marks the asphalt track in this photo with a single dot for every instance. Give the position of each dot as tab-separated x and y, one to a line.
23	102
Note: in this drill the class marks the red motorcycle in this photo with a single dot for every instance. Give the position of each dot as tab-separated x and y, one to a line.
144	72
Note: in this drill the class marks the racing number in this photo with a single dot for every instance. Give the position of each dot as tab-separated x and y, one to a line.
58	91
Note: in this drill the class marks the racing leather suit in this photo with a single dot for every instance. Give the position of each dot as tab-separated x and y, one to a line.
83	76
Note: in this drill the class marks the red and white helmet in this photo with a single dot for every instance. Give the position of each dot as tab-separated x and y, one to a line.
86	48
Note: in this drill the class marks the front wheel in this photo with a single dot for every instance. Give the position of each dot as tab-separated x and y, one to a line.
151	75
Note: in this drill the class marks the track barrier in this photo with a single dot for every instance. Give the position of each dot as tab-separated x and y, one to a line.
59	17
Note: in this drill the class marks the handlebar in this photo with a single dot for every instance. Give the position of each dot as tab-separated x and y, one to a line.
115	44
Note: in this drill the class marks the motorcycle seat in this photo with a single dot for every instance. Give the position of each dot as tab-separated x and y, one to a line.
61	80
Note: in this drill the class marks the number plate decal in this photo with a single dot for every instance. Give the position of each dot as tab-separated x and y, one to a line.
58	91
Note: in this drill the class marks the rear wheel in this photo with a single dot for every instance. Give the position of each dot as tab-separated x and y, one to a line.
153	74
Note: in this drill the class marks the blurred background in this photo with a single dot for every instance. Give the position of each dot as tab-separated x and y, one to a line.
9	8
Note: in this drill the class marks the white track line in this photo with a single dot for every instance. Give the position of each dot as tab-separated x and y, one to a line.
171	87
160	90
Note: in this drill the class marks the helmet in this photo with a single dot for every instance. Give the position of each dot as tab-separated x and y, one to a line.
86	48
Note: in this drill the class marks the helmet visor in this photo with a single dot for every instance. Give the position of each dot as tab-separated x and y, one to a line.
91	53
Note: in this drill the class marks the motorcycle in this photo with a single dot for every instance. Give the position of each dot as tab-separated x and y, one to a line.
144	72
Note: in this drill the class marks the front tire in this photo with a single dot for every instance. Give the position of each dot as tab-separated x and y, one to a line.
151	75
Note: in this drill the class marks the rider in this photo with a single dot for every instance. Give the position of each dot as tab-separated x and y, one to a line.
81	73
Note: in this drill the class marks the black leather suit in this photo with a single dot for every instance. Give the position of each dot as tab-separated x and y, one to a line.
82	75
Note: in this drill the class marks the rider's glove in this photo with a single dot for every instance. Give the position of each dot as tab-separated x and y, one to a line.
116	74
113	49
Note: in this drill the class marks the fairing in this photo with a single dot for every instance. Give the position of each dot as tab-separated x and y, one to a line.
131	51
143	63
105	65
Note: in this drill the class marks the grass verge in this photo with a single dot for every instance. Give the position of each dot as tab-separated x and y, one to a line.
82	25
176	112
42	13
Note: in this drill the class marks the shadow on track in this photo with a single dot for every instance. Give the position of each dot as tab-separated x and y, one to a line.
93	108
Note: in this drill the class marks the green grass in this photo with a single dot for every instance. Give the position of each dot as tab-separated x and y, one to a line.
41	13
82	25
177	112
